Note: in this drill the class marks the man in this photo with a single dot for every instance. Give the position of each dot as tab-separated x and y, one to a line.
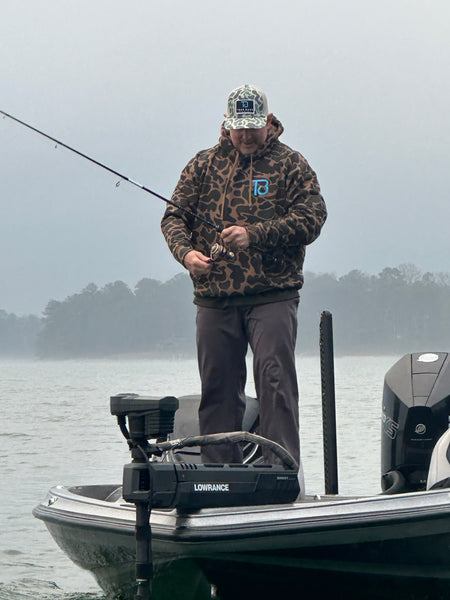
265	201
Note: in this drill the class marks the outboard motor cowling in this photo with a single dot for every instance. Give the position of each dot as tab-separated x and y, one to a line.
416	409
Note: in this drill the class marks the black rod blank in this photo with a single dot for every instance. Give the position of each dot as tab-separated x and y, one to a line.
113	171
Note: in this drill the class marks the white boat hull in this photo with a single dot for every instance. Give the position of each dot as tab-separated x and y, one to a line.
406	535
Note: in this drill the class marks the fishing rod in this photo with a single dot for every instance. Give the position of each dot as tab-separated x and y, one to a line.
217	251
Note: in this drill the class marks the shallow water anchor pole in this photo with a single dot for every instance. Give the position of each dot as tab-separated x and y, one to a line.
328	404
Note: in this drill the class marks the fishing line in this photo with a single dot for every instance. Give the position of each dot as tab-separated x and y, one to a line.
120	175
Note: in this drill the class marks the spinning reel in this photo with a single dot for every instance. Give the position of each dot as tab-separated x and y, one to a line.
218	252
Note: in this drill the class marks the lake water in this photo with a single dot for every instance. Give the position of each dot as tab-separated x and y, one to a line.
57	428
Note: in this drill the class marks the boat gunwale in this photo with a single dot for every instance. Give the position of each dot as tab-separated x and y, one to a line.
197	526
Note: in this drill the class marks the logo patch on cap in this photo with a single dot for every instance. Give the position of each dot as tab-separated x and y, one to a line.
244	108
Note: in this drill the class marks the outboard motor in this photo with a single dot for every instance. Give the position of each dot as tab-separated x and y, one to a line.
416	412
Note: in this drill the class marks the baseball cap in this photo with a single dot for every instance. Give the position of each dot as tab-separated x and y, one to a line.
246	108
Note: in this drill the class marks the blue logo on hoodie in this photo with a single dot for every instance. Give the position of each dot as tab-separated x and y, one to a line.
260	187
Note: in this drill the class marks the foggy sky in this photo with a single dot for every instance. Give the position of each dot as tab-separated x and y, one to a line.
361	87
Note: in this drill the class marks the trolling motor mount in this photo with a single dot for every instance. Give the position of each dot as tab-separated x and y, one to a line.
166	484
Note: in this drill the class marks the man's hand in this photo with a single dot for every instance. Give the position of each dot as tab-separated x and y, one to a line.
197	263
235	237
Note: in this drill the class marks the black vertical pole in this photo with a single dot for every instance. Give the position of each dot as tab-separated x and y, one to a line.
328	403
144	563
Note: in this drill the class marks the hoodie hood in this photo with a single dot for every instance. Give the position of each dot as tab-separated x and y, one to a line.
273	133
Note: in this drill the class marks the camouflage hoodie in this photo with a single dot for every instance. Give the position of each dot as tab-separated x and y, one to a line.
273	192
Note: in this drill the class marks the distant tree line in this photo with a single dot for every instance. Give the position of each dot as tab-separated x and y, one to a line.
156	317
18	335
400	310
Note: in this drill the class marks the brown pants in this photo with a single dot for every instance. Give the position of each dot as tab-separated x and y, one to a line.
223	336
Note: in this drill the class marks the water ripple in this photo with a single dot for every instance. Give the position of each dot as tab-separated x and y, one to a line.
36	589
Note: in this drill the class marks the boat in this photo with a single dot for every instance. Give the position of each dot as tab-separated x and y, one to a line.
176	528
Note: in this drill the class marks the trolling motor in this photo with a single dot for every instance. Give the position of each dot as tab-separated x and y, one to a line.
147	418
146	423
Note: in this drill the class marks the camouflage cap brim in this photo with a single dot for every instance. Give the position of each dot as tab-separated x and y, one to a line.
245	123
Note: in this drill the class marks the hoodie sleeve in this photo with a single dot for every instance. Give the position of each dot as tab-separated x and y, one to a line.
176	225
304	217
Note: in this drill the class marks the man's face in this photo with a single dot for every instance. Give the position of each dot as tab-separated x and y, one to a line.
248	141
